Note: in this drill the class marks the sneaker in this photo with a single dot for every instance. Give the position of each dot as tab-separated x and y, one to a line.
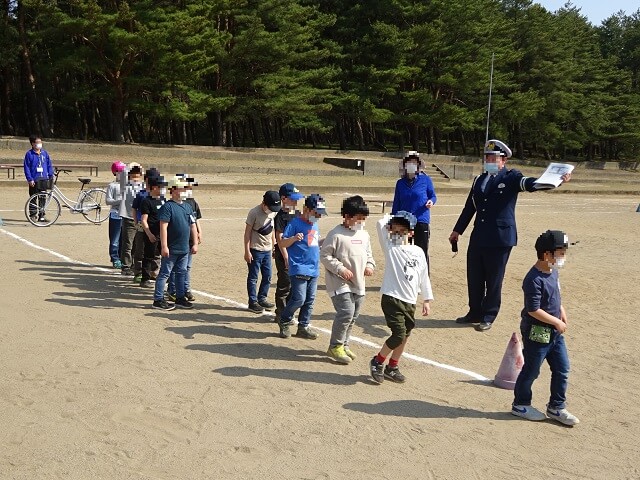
285	330
183	303
137	278
339	355
527	412
170	296
349	353
117	264
126	271
467	319
189	296
306	332
483	326
43	220
146	284
255	307
163	305
393	374
266	304
377	370
563	416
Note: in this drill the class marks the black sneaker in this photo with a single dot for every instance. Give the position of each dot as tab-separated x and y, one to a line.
183	303
483	326
306	332
127	271
255	307
189	296
377	370
163	305
393	374
266	304
467	319
146	284
285	330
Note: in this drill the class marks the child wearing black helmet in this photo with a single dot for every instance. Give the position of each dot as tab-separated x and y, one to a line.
544	321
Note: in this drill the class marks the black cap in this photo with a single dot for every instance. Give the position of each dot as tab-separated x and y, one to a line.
316	202
272	200
551	240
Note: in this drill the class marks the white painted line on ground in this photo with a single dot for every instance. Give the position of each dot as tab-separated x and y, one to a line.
229	301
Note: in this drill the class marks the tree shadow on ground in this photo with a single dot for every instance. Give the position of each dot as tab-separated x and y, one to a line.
189	332
328	378
423	409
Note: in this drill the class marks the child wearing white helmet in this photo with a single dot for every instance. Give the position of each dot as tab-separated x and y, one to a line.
405	275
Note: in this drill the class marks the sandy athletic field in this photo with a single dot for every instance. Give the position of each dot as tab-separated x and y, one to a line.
95	384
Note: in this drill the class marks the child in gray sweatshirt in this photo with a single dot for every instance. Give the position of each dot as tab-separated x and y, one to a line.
347	258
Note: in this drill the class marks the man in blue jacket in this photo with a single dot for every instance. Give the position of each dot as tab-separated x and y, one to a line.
492	200
38	170
415	194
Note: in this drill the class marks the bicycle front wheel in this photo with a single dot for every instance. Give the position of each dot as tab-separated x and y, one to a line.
42	209
94	206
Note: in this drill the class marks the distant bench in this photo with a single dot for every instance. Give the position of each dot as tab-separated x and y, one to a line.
383	203
11	168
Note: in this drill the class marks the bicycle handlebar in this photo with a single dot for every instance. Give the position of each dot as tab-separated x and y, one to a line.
63	170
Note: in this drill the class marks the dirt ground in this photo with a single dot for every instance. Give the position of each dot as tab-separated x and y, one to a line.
96	384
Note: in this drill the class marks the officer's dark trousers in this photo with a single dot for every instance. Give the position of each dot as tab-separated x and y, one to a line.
485	272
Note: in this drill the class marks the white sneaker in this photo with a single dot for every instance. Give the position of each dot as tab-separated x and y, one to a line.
563	416
528	412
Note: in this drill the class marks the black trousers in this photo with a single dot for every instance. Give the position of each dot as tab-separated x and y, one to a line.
150	251
421	236
485	272
42	185
283	285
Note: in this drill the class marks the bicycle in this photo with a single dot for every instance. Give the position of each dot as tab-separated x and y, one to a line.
43	208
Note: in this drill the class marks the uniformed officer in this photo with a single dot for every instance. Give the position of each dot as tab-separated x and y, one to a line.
492	199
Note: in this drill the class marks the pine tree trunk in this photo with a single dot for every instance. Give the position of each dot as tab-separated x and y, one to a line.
28	78
342	139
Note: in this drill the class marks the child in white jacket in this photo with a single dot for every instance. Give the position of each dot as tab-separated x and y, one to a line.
347	258
405	275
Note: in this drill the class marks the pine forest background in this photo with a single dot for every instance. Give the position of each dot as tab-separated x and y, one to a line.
339	74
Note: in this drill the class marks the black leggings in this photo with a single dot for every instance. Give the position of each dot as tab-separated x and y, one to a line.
421	238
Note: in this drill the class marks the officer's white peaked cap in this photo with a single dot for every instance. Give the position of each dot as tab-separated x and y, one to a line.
496	147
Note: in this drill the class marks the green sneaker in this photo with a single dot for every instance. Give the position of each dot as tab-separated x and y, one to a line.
349	353
306	332
339	355
137	278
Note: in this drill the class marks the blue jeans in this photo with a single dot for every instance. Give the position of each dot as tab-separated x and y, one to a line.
261	264
115	224
303	294
171	288
535	353
176	263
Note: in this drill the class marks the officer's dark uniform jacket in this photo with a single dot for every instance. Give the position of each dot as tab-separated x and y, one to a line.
495	223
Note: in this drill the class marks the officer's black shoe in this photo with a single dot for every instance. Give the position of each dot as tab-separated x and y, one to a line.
483	326
466	319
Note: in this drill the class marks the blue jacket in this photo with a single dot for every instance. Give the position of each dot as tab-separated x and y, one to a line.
31	163
495	209
412	197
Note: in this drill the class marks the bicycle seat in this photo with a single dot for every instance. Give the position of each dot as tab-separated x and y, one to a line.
84	181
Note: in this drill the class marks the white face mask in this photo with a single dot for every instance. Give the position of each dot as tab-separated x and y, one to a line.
38	146
137	186
491	168
397	239
357	226
313	219
189	193
184	195
163	192
411	168
560	262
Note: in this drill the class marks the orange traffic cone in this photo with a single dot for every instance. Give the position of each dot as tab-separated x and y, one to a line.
511	364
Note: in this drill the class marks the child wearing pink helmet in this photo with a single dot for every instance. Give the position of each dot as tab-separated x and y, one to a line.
115	221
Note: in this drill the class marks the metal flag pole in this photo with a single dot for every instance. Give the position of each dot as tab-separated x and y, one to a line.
486	135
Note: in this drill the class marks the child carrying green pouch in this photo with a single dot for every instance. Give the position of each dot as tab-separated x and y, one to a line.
540	334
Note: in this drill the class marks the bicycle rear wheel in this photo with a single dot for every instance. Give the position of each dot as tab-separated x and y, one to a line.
94	206
42	209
